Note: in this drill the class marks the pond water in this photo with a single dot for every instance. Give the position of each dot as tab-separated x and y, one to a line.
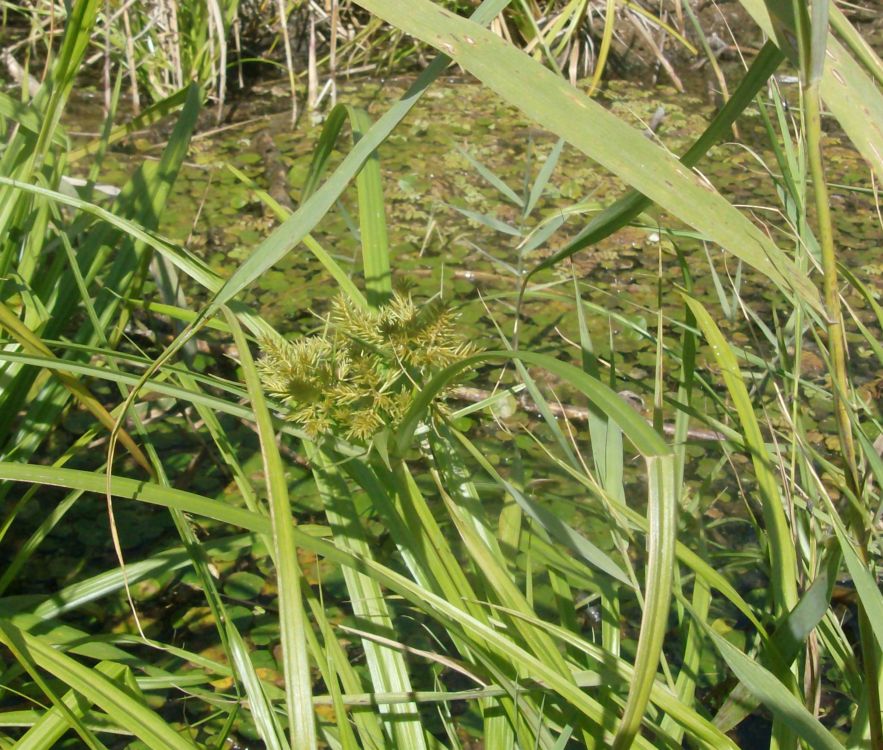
454	233
430	188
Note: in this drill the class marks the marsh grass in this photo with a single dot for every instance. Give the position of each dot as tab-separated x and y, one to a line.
432	594
162	45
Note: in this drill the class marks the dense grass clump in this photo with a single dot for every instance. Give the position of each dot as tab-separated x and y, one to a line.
653	530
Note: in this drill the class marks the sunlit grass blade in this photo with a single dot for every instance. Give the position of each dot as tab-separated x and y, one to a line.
627	208
76	595
558	529
150	116
786	642
388	668
292	615
491	178
369	187
644	438
31	343
856	43
662	507
774	695
344	282
50	727
292	231
848	92
134	489
265	719
372	219
542	180
604	49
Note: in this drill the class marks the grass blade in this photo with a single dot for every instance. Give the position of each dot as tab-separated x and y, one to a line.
98	689
292	620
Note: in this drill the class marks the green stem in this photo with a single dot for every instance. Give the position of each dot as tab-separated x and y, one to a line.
839	382
836	335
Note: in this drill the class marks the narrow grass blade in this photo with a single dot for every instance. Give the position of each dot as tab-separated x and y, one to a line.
490	177
263	714
644	438
322	255
662	510
662	507
133	489
292	231
783	563
774	695
488	220
389	671
150	116
849	93
31	343
49	728
627	208
372	219
785	644
558	529
536	190
292	616
865	584
98	689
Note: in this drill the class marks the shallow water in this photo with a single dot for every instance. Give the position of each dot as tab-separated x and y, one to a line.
433	194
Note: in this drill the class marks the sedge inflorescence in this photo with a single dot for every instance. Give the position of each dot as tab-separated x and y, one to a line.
362	373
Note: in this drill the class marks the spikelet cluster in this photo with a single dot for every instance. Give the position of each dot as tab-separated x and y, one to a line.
361	373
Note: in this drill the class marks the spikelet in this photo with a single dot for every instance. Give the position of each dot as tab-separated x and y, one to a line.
360	374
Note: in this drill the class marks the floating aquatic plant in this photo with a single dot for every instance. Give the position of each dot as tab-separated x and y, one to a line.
361	374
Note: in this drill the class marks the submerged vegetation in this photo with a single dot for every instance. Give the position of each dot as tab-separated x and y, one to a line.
653	519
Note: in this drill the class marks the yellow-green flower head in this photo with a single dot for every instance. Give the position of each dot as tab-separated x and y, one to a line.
361	373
